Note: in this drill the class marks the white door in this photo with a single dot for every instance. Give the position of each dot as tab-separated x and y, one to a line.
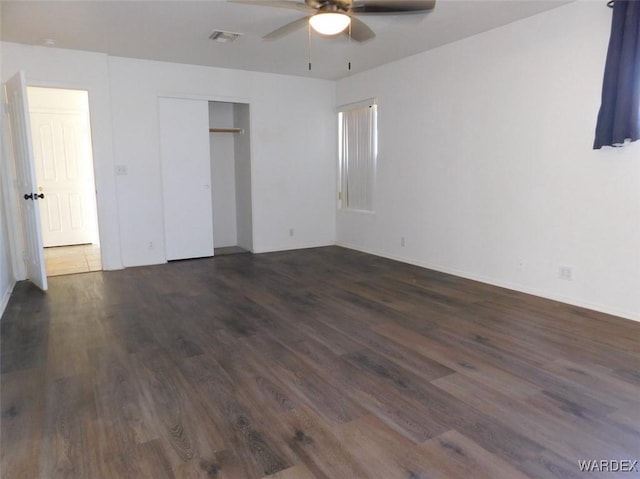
18	110
186	177
63	161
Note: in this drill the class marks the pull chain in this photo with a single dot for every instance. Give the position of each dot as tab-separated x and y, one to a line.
309	44
350	48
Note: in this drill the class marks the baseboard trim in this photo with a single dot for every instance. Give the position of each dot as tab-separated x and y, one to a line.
4	301
633	316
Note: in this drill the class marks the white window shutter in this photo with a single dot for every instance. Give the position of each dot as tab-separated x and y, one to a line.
358	155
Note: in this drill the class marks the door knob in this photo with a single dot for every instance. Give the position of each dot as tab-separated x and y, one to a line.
36	196
28	196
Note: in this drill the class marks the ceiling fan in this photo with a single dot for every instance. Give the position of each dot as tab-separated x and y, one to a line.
331	17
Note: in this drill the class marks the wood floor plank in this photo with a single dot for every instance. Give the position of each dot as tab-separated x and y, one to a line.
538	424
314	443
569	386
627	418
549	465
179	420
463	458
125	421
311	364
23	401
619	393
251	444
320	392
361	336
141	460
460	360
379	449
299	471
67	354
70	439
558	325
583	421
24	339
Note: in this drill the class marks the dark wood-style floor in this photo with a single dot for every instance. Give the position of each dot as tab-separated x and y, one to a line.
323	363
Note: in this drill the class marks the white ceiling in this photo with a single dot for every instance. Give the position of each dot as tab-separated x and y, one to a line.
178	31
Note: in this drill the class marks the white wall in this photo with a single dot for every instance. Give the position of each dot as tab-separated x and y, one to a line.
223	175
292	158
293	144
486	166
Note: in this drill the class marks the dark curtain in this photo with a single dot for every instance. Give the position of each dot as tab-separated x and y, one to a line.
619	117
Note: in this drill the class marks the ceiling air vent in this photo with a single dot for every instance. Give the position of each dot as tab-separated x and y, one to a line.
224	37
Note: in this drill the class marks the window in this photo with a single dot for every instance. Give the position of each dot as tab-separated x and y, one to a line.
358	142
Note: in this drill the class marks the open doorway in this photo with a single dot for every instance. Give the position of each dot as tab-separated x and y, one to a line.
63	156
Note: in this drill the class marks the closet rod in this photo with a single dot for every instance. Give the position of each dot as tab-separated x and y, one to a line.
226	130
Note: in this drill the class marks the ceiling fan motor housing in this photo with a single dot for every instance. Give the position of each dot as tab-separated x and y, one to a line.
330	5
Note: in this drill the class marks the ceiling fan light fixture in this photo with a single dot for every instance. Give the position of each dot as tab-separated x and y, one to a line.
330	23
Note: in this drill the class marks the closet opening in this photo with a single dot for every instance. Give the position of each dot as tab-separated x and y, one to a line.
229	145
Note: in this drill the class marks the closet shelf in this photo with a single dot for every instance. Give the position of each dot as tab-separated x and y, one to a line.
226	130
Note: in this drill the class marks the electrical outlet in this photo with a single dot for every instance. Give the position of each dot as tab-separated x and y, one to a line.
291	232
121	170
565	273
402	242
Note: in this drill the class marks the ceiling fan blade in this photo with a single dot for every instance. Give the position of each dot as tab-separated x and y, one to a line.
360	31
290	4
392	6
286	29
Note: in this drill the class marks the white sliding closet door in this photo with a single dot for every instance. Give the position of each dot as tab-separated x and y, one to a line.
186	174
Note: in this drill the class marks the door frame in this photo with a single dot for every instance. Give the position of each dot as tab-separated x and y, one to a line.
15	234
